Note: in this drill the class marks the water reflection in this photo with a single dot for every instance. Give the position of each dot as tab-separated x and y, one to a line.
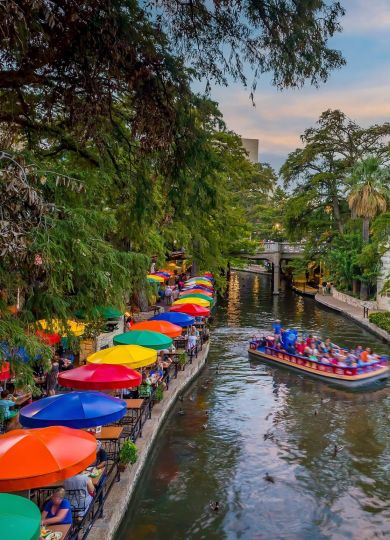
264	419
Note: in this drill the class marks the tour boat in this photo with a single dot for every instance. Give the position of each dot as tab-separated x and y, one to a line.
347	377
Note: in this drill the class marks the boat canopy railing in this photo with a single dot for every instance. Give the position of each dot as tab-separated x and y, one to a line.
321	366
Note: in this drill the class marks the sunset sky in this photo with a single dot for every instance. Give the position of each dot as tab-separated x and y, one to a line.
361	89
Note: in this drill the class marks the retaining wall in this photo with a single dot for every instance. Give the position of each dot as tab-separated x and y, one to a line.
352	301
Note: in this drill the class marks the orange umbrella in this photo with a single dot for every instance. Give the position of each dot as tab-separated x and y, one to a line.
32	458
164	327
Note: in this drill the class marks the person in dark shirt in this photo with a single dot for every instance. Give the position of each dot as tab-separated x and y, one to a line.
101	456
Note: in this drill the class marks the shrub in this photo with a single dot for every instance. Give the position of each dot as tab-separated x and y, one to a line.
182	359
381	319
159	393
128	453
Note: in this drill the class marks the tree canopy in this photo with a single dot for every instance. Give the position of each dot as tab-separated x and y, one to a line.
341	166
109	158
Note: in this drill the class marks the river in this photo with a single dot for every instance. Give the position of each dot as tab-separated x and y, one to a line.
248	420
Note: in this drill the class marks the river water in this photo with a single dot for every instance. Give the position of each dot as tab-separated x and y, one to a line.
248	420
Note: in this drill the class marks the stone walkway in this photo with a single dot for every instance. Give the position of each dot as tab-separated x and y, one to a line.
354	313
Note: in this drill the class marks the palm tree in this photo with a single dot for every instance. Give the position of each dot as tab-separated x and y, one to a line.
368	196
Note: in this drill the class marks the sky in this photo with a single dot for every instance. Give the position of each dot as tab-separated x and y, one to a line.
361	89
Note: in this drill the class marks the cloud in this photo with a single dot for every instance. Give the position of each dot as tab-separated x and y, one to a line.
366	16
360	89
279	118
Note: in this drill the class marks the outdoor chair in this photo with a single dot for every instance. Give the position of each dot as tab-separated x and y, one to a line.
78	502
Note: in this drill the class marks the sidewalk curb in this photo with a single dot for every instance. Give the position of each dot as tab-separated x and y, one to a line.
364	323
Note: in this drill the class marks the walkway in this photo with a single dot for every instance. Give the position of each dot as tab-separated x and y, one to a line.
354	313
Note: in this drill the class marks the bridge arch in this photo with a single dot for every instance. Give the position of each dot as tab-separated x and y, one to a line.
275	253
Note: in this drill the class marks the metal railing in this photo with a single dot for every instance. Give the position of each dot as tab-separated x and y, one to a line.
95	511
282	247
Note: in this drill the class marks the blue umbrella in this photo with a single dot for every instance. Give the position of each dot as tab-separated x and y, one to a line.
76	410
181	319
13	354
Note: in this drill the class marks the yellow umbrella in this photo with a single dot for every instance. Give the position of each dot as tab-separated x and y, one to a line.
58	327
192	300
190	297
132	356
153	277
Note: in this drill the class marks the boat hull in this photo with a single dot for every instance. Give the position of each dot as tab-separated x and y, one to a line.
334	376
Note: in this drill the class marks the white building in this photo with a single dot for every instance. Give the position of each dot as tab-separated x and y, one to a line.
252	147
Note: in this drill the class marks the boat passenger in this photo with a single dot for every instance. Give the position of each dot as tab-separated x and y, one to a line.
277	328
326	345
300	348
364	356
309	341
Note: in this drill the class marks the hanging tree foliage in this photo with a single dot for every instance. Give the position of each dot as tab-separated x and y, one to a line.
108	157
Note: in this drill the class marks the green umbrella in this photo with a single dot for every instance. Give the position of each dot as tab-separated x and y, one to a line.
198	295
145	338
20	519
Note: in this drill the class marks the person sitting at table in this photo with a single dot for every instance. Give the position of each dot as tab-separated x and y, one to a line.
65	364
101	456
157	373
86	490
57	510
11	417
145	388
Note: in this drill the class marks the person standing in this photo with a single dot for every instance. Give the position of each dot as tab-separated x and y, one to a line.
52	376
168	295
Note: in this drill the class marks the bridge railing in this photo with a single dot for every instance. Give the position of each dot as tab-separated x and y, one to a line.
281	247
291	248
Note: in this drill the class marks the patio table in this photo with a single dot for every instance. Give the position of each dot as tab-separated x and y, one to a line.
110	437
64	529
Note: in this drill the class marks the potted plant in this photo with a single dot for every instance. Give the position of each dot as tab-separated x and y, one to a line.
158	393
182	359
128	454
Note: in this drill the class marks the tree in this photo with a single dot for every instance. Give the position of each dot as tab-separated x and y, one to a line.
368	197
286	38
109	157
369	193
319	170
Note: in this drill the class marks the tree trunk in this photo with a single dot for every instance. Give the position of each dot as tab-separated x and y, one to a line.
366	237
337	213
366	230
363	291
195	265
355	287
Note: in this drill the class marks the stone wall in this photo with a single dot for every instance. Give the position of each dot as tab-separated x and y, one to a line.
352	301
103	341
384	300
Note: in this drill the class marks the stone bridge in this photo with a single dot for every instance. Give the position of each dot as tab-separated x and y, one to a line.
275	253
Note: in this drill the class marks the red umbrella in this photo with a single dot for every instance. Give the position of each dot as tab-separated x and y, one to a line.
100	377
5	372
192	309
49	339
